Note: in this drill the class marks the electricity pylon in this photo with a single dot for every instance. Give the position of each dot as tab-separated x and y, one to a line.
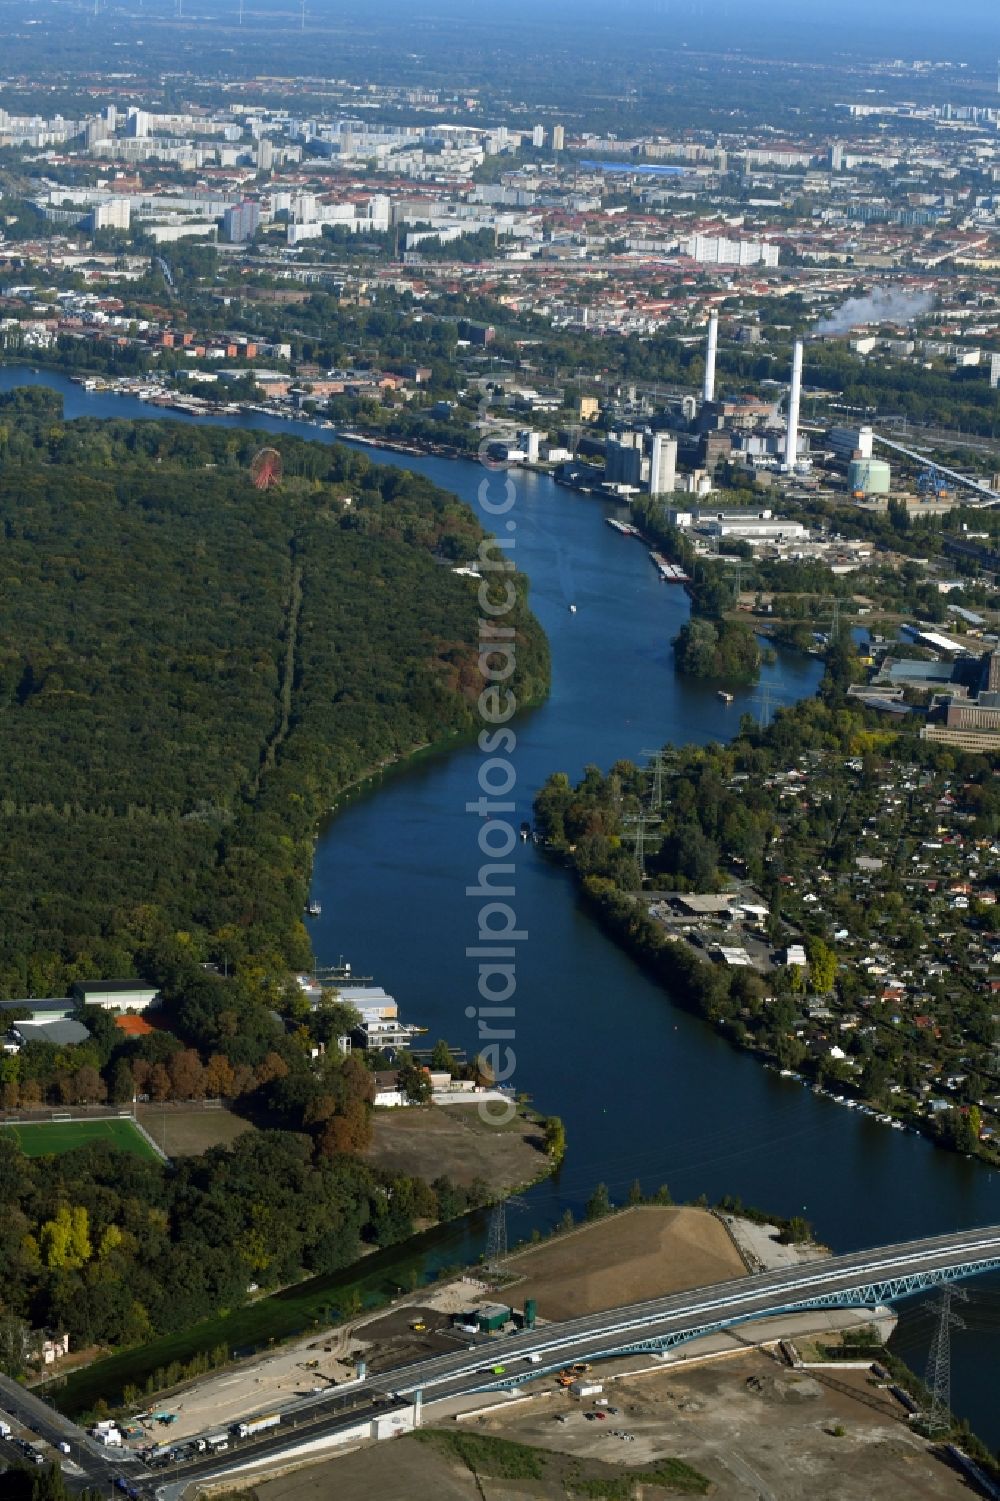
496	1261
657	763
639	823
938	1377
764	699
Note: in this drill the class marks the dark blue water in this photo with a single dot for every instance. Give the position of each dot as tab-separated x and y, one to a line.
645	1090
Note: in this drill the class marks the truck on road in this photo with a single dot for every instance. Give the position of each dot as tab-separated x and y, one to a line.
256	1425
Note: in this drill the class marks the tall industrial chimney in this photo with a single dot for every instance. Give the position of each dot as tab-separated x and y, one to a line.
794	396
713	339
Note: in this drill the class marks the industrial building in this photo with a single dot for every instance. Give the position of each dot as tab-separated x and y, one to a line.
623	459
749	526
851	442
663	465
116	995
868	477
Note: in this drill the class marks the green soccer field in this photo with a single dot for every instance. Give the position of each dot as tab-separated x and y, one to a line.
40	1140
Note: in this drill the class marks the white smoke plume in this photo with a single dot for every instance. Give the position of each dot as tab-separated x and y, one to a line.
881	306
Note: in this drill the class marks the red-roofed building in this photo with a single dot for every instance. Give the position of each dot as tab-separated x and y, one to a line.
133	1026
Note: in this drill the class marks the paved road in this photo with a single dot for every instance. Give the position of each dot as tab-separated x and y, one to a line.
590	1338
601	1335
24	1407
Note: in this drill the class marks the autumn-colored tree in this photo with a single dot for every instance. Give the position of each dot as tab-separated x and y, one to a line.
244	1080
65	1240
90	1088
219	1079
358	1079
64	1088
158	1085
110	1241
348	1132
272	1067
141	1070
187	1075
322	1108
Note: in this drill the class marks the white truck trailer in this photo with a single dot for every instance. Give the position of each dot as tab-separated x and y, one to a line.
253	1426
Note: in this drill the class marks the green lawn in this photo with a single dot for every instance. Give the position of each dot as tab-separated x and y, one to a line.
39	1139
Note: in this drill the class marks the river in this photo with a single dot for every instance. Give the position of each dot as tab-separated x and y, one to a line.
645	1090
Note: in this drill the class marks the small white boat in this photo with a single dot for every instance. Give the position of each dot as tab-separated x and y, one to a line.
314	909
572	609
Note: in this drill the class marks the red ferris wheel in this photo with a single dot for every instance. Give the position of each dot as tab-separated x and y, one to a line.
265	469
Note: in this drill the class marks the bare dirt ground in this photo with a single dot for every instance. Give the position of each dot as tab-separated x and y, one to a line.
431	1141
758	1431
187	1130
642	1253
402	1468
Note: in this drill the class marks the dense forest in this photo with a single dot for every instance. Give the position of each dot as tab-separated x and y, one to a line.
116	1250
191	670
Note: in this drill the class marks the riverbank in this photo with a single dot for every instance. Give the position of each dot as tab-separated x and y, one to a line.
752	915
592	1029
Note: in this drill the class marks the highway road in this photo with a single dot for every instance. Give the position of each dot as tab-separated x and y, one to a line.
600	1335
881	1275
21	1405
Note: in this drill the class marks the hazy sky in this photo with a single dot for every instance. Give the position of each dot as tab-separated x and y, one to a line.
954	25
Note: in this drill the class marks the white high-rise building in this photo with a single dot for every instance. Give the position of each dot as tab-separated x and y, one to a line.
265	155
719	250
113	213
538	136
558	138
994	371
